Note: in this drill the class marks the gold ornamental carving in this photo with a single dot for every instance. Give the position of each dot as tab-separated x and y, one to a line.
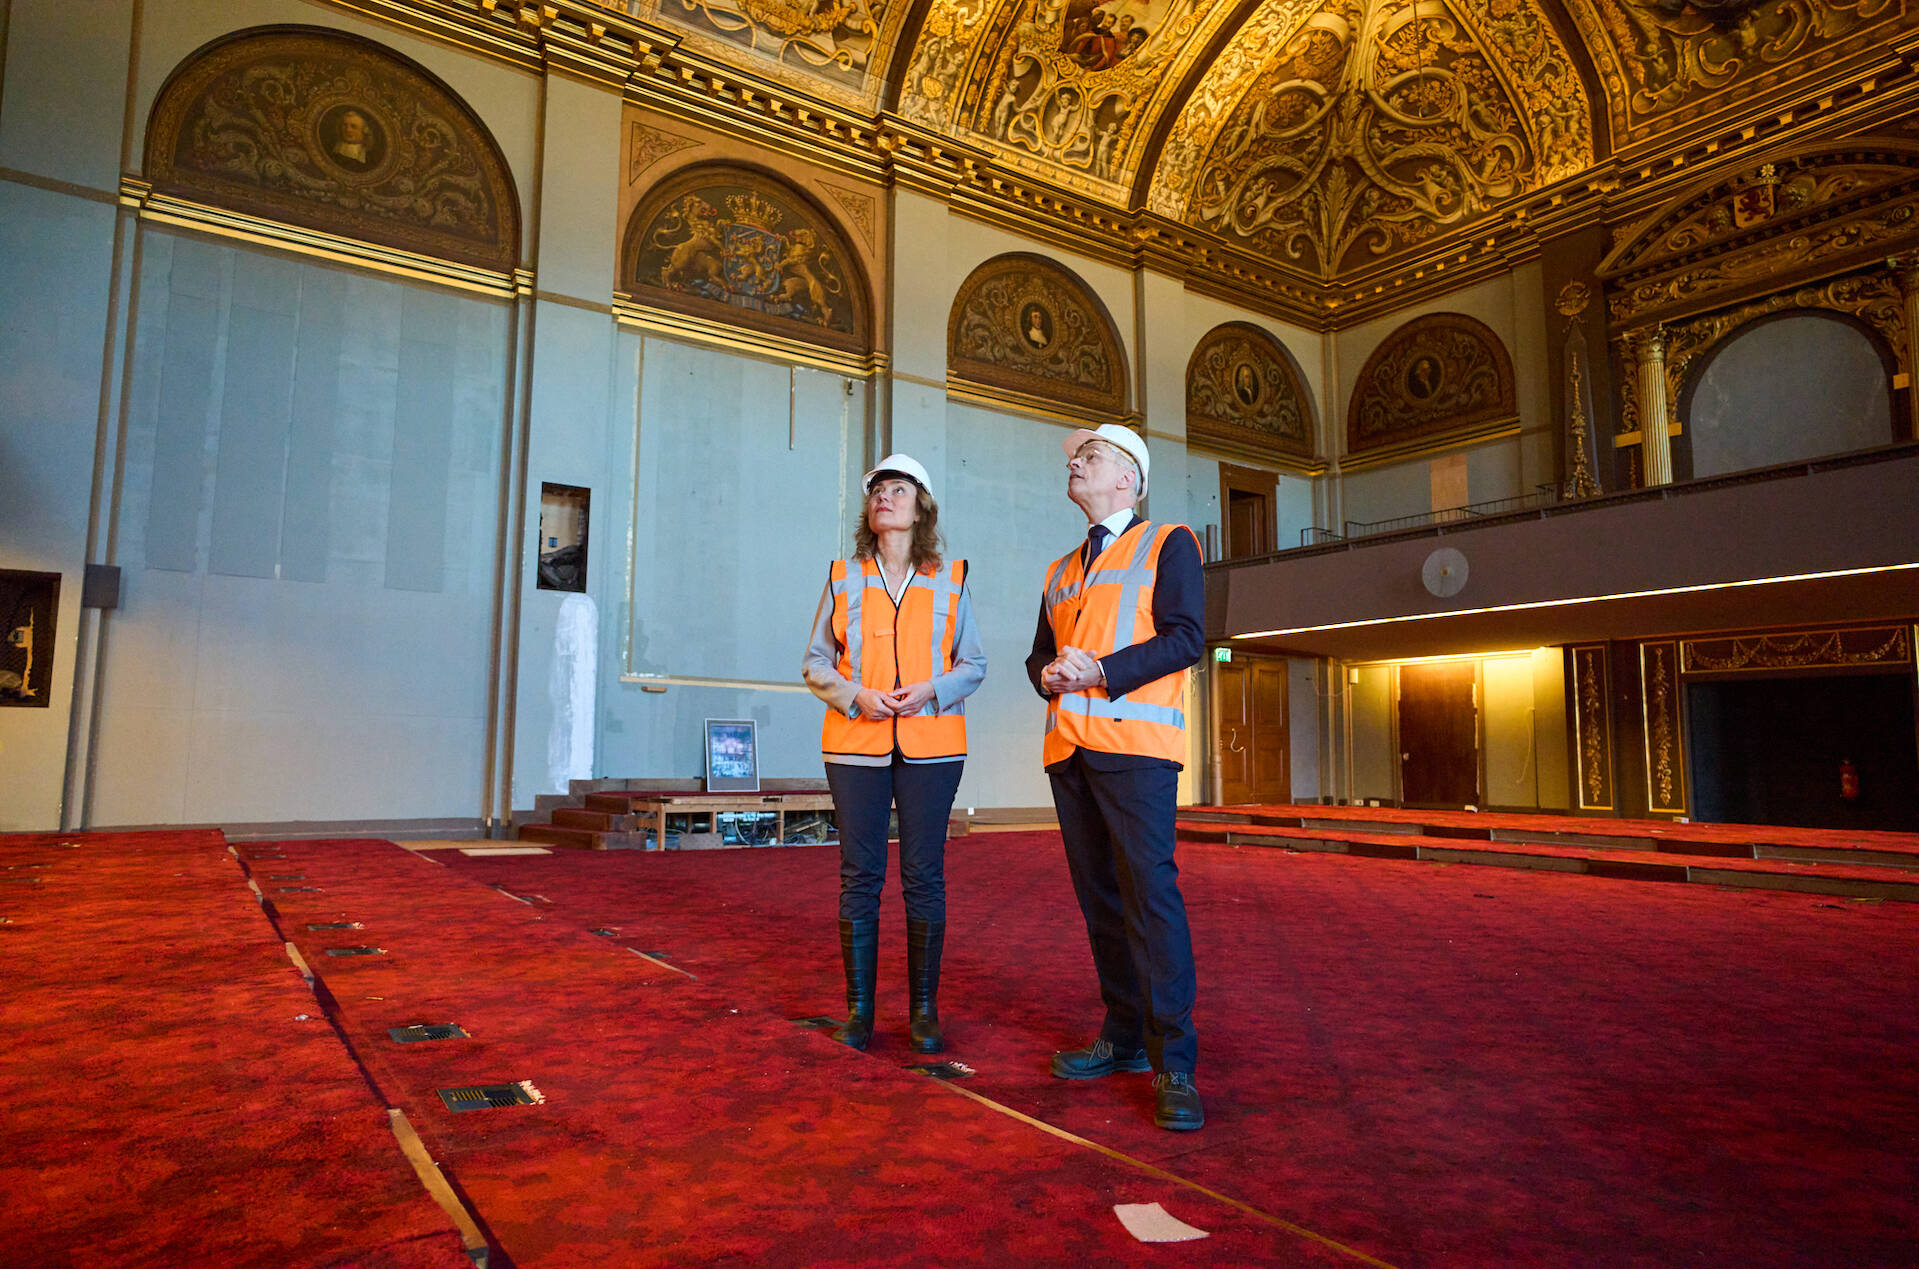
737	246
1244	396
1664	790
1590	695
336	134
1376	125
859	208
1805	650
1440	374
1874	298
1028	327
647	145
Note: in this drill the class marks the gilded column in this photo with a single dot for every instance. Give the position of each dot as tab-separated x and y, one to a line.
1655	446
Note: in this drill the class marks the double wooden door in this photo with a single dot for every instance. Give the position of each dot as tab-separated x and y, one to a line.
1252	751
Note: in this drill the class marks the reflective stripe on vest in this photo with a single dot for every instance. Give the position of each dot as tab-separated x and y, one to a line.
1100	611
885	647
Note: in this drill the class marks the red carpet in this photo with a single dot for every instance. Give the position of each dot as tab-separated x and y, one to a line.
685	1122
174	1094
1432	1064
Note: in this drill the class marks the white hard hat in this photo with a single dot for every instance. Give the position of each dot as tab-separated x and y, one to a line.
1113	434
899	465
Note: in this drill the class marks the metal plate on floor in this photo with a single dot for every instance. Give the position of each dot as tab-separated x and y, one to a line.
818	1024
491	1096
356	951
298	890
942	1070
427	1031
335	925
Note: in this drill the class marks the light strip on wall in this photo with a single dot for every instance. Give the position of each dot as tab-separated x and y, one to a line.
1584	599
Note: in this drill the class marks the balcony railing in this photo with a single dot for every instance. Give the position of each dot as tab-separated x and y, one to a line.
1542	496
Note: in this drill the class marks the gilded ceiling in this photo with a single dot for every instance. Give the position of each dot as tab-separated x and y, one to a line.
1325	137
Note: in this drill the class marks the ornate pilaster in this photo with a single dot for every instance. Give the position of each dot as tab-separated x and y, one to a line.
1655	446
1905	270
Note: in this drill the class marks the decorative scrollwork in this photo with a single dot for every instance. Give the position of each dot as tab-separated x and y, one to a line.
1243	395
1380	122
836	44
1441	373
1025	325
334	133
1668	55
1812	649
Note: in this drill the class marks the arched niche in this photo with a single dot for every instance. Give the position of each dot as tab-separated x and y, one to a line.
335	133
1026	331
733	245
1442	377
1786	388
1245	397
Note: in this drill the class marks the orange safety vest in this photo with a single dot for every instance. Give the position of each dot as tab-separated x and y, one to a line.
1100	613
886	647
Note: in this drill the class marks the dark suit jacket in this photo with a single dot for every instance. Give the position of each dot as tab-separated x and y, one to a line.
1179	622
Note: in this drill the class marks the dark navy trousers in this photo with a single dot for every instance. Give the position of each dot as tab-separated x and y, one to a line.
1118	828
863	801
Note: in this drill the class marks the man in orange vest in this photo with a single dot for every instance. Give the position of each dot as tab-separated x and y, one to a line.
1121	619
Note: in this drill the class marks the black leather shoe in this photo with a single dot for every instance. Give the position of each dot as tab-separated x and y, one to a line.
1178	1108
1097	1059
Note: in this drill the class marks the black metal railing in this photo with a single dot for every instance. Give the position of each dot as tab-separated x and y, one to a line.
1542	496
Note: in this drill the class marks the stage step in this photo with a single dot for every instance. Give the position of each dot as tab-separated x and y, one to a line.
554	835
1847	878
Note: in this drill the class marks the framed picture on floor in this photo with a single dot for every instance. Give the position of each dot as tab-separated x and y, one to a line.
732	755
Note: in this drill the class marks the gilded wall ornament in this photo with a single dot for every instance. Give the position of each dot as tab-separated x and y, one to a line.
647	145
859	208
1025	326
334	133
1594	732
736	245
1244	396
1373	125
1665	782
1802	650
1438	374
1665	61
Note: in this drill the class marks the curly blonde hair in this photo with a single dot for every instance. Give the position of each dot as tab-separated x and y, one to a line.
925	553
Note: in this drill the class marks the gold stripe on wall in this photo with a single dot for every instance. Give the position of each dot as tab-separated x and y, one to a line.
165	209
630	313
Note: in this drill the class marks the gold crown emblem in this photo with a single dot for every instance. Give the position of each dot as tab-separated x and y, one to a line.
751	209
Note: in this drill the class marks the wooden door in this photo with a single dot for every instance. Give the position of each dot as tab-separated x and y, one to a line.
1439	734
1247	498
1252	749
1232	732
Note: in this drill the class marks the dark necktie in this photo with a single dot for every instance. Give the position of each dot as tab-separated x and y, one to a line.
1095	542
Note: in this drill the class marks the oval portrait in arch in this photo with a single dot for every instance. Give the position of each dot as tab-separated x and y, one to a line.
1244	396
1027	331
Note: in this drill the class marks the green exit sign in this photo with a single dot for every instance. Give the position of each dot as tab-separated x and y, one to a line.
1222	654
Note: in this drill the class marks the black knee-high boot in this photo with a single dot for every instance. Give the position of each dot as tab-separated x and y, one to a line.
925	940
860	951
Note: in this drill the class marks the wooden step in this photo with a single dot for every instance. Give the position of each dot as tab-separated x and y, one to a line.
1845	877
593	821
572	838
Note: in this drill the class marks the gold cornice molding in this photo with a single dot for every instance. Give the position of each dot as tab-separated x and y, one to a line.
634	315
653	69
139	197
1042	408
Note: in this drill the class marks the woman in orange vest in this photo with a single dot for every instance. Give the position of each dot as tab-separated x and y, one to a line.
894	655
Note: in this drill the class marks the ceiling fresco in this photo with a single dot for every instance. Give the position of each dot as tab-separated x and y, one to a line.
1330	139
1360	128
837	48
1065	89
1665	63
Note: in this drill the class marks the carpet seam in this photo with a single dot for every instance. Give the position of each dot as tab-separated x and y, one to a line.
1156	1171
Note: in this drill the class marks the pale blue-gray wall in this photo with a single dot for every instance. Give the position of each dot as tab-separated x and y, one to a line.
306	530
